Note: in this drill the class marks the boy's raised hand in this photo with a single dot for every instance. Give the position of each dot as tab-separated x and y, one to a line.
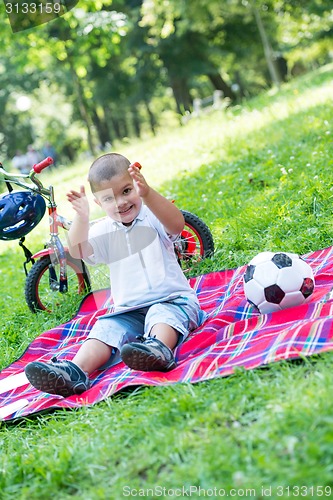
167	213
140	183
79	202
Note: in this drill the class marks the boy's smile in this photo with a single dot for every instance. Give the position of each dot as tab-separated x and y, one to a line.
119	199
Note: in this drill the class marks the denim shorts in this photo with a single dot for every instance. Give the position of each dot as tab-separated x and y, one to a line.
182	313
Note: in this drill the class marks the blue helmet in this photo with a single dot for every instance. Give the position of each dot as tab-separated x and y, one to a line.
20	212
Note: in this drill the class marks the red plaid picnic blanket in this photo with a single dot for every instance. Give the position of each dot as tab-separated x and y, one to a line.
234	335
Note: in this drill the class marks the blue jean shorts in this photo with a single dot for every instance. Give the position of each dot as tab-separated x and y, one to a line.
182	313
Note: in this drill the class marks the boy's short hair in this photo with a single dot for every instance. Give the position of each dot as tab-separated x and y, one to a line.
105	167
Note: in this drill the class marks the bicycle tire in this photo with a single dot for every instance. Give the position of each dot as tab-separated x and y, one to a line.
195	242
38	293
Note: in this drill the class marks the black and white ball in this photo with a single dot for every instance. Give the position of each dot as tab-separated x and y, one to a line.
277	280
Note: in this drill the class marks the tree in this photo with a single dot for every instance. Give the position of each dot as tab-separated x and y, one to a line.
114	60
17	78
185	48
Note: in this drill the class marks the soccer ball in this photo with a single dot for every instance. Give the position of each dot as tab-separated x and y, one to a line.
277	280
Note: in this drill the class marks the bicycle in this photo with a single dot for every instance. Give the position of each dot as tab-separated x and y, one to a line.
54	273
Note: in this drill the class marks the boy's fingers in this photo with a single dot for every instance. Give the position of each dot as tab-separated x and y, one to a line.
137	175
74	194
77	194
133	170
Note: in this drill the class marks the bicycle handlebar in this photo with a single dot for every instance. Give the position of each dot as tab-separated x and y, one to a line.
19	179
38	167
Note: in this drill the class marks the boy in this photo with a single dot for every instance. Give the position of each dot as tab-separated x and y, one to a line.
155	308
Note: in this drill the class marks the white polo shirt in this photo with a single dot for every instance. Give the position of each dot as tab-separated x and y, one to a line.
141	258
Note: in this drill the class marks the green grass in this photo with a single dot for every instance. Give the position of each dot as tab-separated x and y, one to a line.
261	176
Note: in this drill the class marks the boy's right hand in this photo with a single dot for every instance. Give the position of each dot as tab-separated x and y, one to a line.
80	203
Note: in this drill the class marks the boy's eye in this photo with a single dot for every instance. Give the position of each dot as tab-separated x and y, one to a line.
127	190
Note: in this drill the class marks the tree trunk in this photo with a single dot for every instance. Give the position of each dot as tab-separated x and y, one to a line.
116	127
181	94
123	127
151	116
101	128
111	121
219	84
82	105
136	121
267	47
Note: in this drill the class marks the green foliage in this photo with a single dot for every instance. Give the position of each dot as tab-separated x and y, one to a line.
260	175
114	62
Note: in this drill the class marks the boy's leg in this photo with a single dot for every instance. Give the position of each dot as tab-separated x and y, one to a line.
167	325
154	352
71	377
64	378
166	334
92	355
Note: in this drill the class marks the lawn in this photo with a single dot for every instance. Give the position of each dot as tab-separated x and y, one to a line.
260	175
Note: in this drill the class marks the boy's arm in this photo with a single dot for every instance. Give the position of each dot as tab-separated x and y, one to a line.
167	213
78	244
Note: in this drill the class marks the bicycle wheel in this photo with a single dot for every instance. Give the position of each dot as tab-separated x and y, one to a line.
194	243
42	285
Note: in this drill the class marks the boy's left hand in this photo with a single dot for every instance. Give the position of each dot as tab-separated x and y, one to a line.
140	183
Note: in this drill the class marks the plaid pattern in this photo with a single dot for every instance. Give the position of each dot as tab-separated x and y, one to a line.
234	335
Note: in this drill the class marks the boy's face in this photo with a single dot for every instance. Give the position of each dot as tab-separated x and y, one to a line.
119	199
